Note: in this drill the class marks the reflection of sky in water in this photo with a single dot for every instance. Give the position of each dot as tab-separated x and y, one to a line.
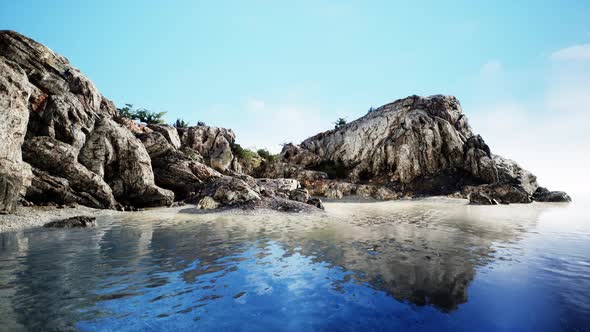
429	265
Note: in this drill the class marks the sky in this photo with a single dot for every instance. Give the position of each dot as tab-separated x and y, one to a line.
280	71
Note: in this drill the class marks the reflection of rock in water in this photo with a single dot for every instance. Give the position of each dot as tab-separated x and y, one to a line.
422	252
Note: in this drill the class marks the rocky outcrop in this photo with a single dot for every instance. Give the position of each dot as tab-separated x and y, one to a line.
542	194
414	146
72	140
14	98
79	221
213	143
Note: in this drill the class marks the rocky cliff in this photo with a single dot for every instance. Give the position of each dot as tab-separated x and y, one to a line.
65	143
412	147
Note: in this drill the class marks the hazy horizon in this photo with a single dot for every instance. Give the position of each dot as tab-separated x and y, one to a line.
278	73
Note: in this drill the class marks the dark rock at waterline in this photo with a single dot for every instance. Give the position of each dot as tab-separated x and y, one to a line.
78	221
542	194
479	198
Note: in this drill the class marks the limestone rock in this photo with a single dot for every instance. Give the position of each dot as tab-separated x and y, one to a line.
60	159
415	146
181	174
226	190
213	143
170	133
14	116
103	157
114	153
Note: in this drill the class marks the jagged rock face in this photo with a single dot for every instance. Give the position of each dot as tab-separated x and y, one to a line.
213	143
66	109
404	140
14	95
413	146
116	154
61	160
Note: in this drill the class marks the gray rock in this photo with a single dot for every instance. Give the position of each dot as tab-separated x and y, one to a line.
102	158
14	95
60	160
480	198
226	190
316	202
542	194
79	221
213	143
299	195
281	187
170	133
414	146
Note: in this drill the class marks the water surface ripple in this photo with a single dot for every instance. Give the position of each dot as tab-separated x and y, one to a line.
434	264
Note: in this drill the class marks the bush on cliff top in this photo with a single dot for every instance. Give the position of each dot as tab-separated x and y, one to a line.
142	114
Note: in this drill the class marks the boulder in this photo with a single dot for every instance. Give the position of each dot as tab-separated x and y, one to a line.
212	143
226	190
79	221
181	174
543	194
207	203
282	187
114	153
299	195
170	134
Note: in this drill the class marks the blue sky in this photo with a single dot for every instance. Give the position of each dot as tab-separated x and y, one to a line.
278	71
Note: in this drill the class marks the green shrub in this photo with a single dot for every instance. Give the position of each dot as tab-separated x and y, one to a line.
339	123
242	153
267	155
180	123
143	115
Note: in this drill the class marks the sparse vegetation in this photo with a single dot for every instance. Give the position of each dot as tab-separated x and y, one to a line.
371	109
266	155
201	123
339	123
143	115
244	154
180	123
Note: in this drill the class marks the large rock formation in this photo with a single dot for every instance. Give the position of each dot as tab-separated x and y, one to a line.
73	143
15	91
82	151
413	146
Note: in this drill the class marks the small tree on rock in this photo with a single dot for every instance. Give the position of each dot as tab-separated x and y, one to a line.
180	123
339	123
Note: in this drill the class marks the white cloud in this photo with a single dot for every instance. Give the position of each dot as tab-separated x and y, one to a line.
268	125
546	134
576	52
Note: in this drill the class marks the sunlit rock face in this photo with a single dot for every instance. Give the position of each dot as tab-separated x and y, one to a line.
413	146
65	107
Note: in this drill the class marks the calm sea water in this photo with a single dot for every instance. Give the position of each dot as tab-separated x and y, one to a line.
430	265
